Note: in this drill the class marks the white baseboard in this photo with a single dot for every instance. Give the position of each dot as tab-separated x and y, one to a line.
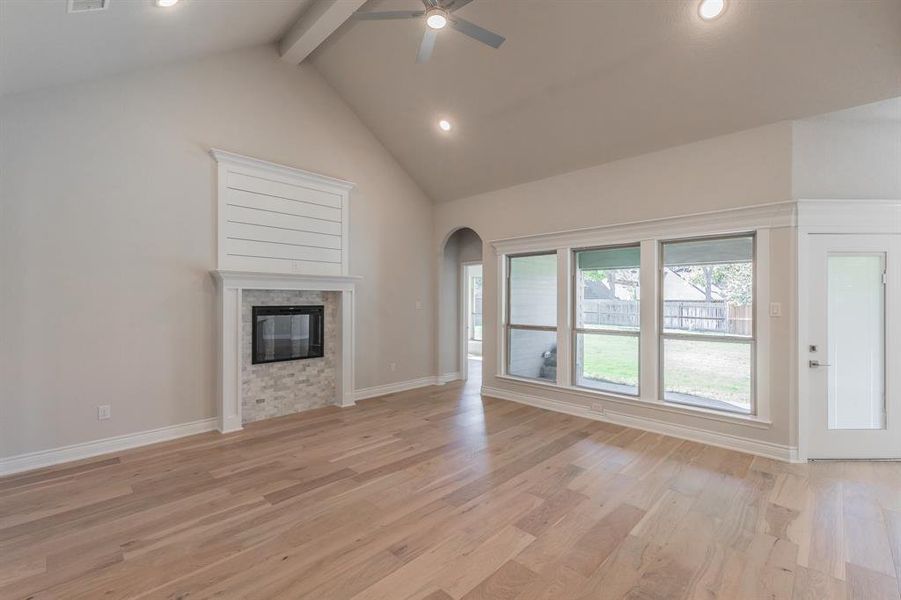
393	388
54	456
403	386
448	377
722	440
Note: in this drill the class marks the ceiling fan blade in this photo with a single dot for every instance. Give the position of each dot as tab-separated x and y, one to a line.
454	5
427	45
388	14
477	33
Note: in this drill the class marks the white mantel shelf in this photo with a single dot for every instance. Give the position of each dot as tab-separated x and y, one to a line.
230	285
254	280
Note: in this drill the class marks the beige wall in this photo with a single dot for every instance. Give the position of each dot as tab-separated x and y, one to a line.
743	169
107	206
837	157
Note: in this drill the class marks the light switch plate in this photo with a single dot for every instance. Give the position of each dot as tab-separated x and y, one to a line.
775	309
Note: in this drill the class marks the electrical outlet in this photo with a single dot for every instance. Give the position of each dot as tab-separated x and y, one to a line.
104	411
419	305
392	366
597	407
775	309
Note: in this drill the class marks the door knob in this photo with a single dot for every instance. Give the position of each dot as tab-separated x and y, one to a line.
815	363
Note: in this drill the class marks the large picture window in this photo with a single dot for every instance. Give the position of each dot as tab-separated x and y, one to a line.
607	319
707	323
532	316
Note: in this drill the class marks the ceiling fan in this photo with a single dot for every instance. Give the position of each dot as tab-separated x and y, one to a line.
438	14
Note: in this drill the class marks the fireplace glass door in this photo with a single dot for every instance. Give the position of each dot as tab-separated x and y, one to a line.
287	333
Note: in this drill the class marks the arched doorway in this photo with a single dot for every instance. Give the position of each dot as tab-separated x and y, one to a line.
460	306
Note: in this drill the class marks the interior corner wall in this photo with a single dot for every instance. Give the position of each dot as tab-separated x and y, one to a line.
847	155
747	168
840	158
107	239
464	245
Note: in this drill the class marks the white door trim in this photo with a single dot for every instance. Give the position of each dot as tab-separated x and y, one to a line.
463	323
827	216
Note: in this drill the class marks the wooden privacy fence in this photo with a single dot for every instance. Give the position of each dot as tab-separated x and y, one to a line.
718	317
619	313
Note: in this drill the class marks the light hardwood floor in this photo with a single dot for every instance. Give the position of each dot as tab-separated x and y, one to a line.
439	493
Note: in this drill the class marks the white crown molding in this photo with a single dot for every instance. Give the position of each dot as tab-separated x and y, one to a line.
55	456
223	156
686	432
849	216
733	220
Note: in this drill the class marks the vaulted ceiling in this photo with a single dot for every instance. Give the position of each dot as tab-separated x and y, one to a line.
579	83
42	44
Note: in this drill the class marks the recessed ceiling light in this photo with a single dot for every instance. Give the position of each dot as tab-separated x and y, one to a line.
444	125
165	3
711	9
436	18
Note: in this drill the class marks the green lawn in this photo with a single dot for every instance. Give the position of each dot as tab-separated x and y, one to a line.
611	358
715	370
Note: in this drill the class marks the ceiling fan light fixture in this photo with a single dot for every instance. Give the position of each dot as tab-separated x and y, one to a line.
436	18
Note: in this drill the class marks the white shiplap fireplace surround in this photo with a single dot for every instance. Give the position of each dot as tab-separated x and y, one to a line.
279	228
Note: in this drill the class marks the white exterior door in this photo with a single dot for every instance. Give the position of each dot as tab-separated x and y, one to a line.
854	350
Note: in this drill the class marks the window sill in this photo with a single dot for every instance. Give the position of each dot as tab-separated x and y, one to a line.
692	411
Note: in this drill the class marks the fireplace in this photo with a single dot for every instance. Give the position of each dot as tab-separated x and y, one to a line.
282	333
286	386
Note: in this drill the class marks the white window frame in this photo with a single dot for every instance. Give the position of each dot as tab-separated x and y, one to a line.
663	335
508	327
758	220
576	330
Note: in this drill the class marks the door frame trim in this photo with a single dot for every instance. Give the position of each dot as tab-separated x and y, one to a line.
463	321
822	216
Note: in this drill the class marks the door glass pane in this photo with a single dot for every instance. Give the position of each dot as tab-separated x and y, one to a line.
856	335
607	362
533	290
533	354
709	374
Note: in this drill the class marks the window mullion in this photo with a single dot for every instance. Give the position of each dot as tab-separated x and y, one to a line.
564	317
649	307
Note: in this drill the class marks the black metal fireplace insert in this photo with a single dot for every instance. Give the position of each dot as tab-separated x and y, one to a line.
283	333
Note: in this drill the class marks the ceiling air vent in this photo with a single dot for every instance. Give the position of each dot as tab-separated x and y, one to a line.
77	6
